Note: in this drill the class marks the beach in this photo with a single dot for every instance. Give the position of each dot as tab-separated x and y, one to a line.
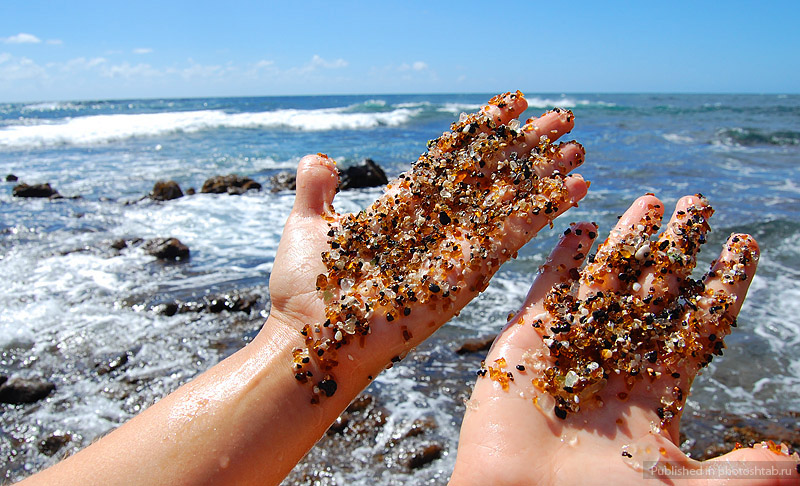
87	309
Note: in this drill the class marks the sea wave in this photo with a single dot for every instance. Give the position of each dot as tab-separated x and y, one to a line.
98	129
563	102
677	138
749	137
50	106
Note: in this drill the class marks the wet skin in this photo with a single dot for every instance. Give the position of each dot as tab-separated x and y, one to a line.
512	435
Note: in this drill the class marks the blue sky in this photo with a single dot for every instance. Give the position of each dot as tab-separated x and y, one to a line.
64	50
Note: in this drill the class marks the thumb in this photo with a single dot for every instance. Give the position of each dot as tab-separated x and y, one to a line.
764	464
317	184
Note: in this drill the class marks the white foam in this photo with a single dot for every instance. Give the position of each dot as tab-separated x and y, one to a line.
677	138
457	108
49	106
563	102
97	129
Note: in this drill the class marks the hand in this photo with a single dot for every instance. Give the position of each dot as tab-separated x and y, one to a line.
626	335
424	249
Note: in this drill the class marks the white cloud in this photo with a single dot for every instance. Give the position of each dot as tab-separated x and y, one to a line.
128	71
142	50
19	68
415	66
263	64
81	63
55	42
317	61
22	38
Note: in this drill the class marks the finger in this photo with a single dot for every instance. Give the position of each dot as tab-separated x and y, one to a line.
764	464
733	272
548	127
564	261
621	256
674	254
519	229
538	137
544	159
564	158
535	147
317	183
504	107
725	289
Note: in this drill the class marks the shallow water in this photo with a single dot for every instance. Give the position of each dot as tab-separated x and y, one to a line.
71	304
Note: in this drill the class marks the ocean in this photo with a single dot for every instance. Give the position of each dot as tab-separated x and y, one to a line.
91	320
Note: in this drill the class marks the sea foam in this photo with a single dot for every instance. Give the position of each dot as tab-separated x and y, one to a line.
98	129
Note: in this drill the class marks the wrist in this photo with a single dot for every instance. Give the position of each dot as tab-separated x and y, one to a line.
281	337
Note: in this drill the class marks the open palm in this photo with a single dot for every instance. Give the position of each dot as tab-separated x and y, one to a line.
622	423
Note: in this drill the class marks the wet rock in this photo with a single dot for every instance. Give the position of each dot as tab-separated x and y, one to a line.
18	391
191	191
167	308
341	423
166	191
363	418
123	243
422	456
35	190
232	302
230	184
476	345
420	426
708	434
235	301
11	178
368	174
49	446
283	181
166	249
110	363
360	403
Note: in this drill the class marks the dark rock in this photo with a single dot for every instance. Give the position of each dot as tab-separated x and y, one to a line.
708	434
476	345
123	243
368	174
110	363
166	249
166	191
35	190
362	419
422	456
50	445
341	423
420	426
284	181
191	191
18	391
11	178
119	245
230	184
167	308
360	403
232	302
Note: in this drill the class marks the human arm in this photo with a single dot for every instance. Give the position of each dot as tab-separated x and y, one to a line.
248	419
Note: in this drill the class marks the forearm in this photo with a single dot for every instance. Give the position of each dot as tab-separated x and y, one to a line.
245	421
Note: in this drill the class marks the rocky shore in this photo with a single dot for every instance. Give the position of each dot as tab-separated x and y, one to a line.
369	435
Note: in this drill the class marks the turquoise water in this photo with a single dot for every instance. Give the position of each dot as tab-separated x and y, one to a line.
68	303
